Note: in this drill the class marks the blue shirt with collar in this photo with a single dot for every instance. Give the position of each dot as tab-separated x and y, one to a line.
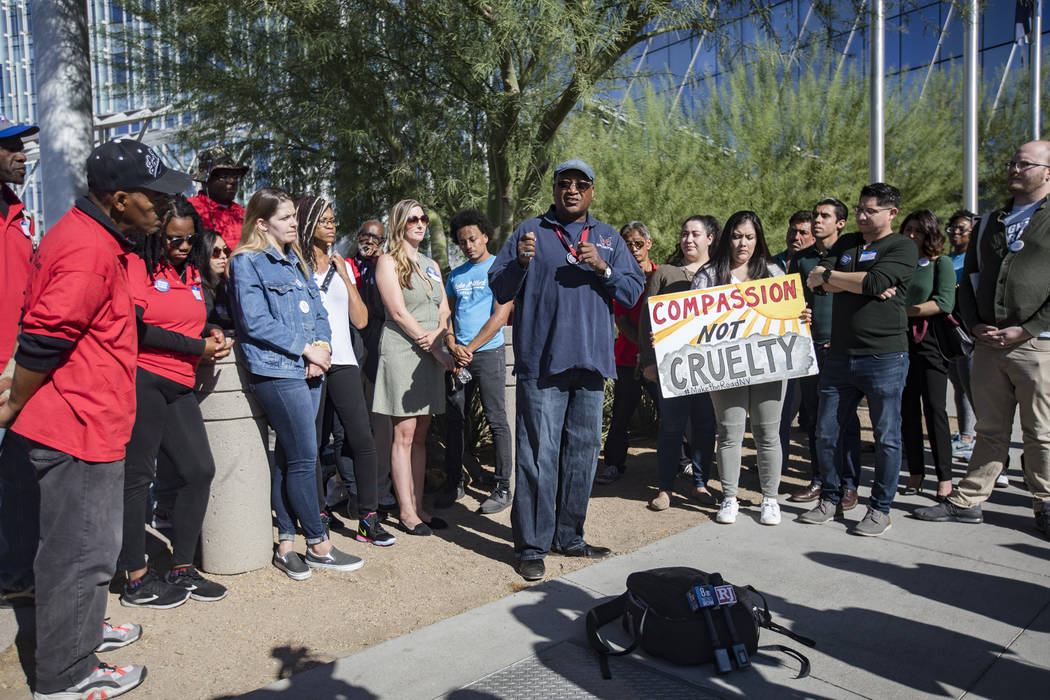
563	313
277	311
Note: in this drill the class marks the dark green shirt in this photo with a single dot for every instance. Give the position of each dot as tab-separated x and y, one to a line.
862	324
819	302
934	281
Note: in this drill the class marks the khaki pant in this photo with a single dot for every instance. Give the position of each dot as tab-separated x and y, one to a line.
1002	381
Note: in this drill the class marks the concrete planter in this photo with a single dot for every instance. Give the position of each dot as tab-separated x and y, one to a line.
237	535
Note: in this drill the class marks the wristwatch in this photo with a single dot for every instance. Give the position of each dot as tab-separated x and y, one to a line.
827	274
608	272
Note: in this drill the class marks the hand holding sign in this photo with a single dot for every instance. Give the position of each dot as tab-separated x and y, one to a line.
587	253
526	248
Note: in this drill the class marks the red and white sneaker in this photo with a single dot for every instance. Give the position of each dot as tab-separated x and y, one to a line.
103	683
117	636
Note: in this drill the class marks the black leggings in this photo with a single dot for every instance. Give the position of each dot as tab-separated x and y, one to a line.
343	389
168	421
926	394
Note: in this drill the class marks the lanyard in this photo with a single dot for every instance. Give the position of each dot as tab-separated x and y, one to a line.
565	241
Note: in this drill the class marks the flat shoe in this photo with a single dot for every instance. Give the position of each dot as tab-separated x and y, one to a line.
421	530
661	502
437	523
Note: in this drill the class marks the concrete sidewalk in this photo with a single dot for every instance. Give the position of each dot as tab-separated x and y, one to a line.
927	610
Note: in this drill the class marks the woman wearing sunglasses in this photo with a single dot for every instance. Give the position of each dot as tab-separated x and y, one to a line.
212	259
283	330
170	306
343	388
410	384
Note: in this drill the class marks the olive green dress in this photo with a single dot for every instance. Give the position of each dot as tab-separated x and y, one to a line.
409	381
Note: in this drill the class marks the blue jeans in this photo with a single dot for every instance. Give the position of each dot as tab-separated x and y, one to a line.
844	379
847	456
674	412
291	407
559	434
19	515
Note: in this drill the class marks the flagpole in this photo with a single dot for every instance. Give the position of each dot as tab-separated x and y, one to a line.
877	79
969	106
1035	52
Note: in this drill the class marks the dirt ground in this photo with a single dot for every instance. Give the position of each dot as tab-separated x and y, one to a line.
270	627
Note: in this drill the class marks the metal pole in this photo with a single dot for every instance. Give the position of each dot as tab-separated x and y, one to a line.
1002	83
849	39
969	107
937	49
63	90
1035	52
877	81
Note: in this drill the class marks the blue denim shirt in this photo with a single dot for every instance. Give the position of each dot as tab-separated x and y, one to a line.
277	312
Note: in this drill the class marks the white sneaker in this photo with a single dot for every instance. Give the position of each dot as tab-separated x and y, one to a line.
770	512
1001	482
727	513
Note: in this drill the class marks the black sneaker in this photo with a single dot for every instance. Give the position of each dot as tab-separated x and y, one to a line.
104	682
330	520
1042	521
369	529
149	591
498	501
199	587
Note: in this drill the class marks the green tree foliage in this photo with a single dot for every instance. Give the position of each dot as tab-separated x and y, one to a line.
775	140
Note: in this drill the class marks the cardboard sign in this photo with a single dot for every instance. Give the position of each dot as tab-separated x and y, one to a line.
730	336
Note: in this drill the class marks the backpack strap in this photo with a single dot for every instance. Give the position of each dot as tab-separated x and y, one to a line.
601	615
766	620
802	659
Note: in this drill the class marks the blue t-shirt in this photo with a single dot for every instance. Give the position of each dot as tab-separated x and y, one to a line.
1017	221
957	263
468	286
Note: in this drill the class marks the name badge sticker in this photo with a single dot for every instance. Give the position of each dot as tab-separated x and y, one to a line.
923	262
26	230
304	307
196	293
845	259
1016	246
868	255
433	274
161	285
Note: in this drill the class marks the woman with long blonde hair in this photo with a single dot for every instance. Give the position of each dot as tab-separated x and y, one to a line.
410	378
282	328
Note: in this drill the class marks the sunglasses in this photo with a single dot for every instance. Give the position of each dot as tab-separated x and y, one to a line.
581	185
412	220
177	241
220	252
635	245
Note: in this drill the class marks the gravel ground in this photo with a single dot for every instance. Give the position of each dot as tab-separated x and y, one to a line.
270	627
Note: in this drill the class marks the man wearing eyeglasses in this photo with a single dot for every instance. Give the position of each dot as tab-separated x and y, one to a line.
221	176
563	270
868	274
1004	300
16	248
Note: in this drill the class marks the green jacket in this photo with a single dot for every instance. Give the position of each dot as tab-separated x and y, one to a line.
1008	288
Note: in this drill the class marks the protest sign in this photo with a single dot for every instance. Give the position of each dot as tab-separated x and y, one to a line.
729	336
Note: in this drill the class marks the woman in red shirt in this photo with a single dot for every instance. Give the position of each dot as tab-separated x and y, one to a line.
171	312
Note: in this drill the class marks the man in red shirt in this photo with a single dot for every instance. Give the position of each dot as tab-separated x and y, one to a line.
16	248
221	175
72	406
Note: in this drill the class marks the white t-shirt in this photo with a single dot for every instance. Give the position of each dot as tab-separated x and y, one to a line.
337	303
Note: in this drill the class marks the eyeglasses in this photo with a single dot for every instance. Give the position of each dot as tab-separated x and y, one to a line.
635	245
957	229
220	253
868	211
366	237
413	220
177	241
1023	165
581	185
327	223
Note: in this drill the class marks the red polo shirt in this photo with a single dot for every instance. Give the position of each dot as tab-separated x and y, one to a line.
625	351
16	248
78	291
227	220
169	303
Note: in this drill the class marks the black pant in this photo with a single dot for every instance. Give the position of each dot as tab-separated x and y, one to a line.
926	392
627	392
343	389
489	376
168	421
80	508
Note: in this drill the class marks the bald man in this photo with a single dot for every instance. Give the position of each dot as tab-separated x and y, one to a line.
1004	301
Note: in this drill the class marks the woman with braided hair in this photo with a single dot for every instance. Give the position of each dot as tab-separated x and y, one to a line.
343	388
171	312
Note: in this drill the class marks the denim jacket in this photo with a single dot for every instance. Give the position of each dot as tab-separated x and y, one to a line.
277	312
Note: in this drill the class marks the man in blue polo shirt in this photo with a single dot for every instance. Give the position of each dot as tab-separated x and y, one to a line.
476	345
563	270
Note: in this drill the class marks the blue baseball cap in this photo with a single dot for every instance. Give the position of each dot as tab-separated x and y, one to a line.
575	164
9	129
